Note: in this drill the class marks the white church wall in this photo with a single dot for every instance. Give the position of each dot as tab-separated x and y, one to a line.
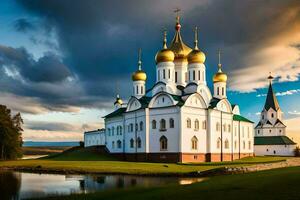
172	134
273	150
93	138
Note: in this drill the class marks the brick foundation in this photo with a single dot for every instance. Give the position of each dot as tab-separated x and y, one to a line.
179	157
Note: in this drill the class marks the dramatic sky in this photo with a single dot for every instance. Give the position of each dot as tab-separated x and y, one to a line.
62	60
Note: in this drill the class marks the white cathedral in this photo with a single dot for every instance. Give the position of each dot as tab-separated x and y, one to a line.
178	119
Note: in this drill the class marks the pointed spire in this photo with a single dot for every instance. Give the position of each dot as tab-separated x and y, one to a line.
219	64
271	100
196	38
165	40
140	59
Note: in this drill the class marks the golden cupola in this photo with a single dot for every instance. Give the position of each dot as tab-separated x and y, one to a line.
196	56
139	75
164	55
220	76
180	49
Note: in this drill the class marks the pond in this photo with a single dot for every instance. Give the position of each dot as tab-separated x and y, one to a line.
21	185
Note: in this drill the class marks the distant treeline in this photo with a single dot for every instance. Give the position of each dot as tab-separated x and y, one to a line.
10	134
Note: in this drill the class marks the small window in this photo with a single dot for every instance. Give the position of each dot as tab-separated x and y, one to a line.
153	124
171	123
131	143
218	93
163	143
223	91
244	145
204	125
226	144
113	144
229	128
141	126
169	71
188	123
162	124
219	143
235	144
199	76
139	142
175	77
164	74
218	126
194	143
249	145
270	131
119	144
194	75
272	115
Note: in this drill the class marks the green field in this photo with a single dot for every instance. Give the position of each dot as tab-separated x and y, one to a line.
81	160
273	184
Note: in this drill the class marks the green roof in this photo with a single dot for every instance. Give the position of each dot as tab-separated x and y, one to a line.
273	140
117	112
241	118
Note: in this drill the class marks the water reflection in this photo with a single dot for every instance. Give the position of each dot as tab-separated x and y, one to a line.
19	185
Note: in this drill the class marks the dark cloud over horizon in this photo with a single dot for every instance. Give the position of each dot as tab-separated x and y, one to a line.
99	42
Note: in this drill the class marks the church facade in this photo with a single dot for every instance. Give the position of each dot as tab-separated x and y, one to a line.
270	132
178	119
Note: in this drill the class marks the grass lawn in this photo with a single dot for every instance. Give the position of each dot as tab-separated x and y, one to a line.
80	160
273	184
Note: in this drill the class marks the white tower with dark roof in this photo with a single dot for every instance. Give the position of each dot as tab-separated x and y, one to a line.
270	132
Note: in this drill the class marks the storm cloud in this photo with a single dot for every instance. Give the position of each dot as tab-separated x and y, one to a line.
98	41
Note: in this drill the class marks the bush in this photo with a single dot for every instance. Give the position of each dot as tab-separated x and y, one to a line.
81	144
297	152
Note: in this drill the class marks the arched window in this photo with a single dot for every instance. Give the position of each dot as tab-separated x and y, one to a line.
139	142
194	143
141	126
137	89
219	143
120	130
175	77
153	124
108	131
229	128
171	121
136	127
199	77
119	144
218	126
272	115
226	144
117	130
169	73
163	143
162	124
158	74
196	124
164	74
218	89
188	123
112	131
142	89
131	143
249	145
204	125
222	90
244	145
235	144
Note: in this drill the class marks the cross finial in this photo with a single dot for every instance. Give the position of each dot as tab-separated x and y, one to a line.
196	38
117	89
270	77
165	39
140	59
177	10
219	55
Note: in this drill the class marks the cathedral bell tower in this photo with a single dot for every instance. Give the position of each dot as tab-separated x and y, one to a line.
139	79
220	79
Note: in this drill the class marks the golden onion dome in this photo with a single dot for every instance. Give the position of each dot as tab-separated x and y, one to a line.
196	56
164	55
118	100
139	75
219	76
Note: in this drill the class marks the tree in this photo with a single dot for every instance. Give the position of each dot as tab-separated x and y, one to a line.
10	134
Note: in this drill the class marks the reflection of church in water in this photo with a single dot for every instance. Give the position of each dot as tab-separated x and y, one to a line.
178	119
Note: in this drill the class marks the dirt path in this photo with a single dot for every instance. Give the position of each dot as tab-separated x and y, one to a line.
290	162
